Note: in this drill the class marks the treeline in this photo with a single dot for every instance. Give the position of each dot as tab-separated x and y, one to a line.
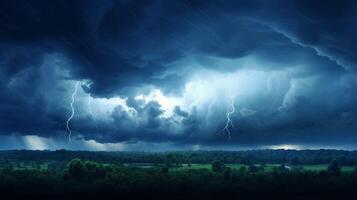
92	180
293	157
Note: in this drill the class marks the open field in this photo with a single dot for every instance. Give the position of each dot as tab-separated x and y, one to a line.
267	167
305	160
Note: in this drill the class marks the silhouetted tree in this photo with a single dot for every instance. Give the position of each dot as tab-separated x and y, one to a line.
76	169
334	168
253	168
227	172
165	170
283	168
243	169
217	166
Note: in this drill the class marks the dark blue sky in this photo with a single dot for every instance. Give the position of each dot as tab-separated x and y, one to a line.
156	75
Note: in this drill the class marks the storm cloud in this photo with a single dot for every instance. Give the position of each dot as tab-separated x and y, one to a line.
165	71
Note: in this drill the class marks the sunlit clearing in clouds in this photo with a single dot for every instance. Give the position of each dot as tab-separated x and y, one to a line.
206	88
284	146
167	103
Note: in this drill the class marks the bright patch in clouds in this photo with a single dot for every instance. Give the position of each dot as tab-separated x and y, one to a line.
284	146
203	90
34	142
167	103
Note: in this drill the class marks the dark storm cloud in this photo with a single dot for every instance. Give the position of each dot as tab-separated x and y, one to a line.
123	47
180	112
131	42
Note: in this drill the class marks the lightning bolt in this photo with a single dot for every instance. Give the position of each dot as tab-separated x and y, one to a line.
229	122
72	112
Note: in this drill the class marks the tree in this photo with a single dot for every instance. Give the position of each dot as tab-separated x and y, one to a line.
100	172
253	168
243	169
283	168
334	168
165	170
227	172
217	166
76	169
169	160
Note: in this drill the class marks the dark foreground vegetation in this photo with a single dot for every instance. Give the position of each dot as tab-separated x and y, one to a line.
264	174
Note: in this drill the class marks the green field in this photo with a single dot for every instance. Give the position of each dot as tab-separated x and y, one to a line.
324	167
267	167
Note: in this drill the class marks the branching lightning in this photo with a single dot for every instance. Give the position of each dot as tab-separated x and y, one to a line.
72	112
229	124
